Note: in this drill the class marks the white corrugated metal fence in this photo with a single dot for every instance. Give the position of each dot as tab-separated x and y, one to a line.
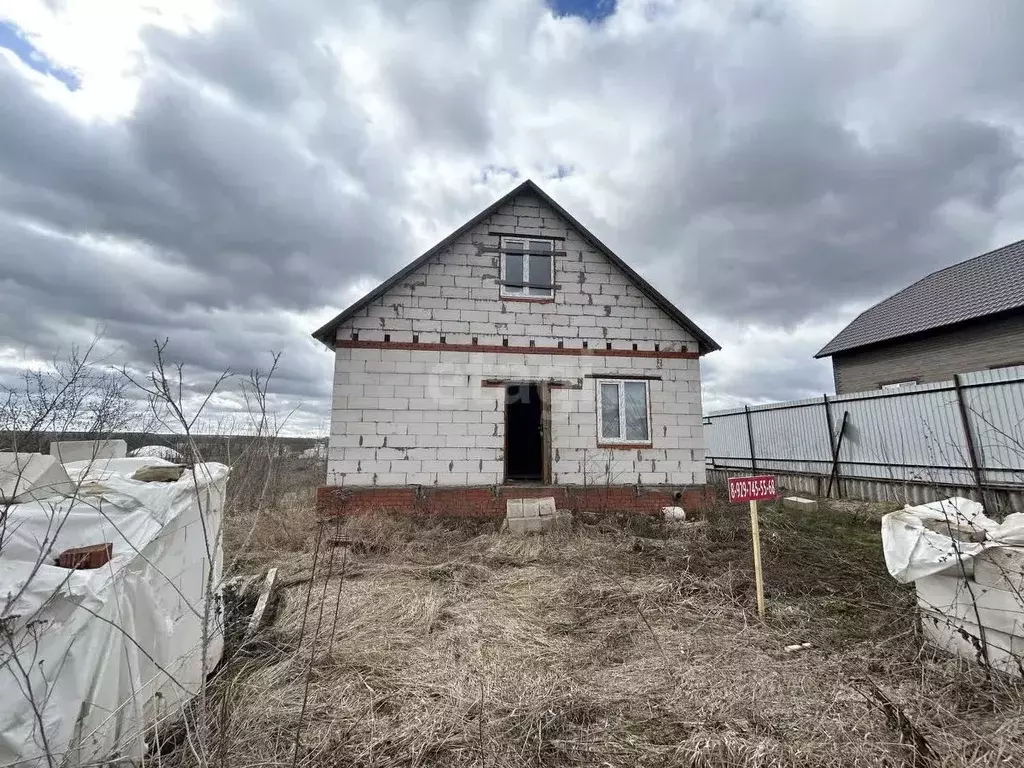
964	433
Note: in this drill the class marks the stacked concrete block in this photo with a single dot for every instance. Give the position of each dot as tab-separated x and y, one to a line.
88	450
1001	568
953	603
28	477
533	515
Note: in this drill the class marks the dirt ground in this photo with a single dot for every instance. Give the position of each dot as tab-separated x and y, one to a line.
615	642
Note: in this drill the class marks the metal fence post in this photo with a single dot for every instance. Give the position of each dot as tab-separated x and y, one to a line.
831	430
830	426
750	437
972	452
834	474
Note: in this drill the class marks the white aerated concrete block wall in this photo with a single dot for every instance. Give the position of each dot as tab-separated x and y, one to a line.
456	295
31	477
427	419
88	450
675	456
423	416
952	605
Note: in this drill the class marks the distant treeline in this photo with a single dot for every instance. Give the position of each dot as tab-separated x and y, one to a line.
212	447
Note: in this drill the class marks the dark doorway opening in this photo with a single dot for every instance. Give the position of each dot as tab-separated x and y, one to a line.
524	433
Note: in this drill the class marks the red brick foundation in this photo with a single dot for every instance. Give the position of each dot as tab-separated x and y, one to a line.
489	501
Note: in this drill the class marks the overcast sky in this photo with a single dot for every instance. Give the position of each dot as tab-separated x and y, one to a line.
230	175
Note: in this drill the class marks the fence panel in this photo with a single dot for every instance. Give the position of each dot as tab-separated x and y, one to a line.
727	439
793	439
995	409
915	434
911	436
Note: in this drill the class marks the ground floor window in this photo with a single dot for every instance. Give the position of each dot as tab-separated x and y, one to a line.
623	413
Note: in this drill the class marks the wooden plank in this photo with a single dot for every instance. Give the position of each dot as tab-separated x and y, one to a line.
262	602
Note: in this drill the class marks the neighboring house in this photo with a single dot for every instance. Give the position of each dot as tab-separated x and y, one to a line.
968	317
519	350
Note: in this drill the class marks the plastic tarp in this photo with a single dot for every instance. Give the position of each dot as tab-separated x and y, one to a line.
90	659
912	551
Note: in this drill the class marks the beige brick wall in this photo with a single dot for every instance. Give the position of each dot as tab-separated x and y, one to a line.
936	357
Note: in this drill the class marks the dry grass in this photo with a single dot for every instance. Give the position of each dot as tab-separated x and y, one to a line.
270	518
460	647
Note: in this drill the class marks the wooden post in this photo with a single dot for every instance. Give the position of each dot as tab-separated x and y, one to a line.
755	534
972	451
750	438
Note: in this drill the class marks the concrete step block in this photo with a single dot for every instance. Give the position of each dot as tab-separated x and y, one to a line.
800	503
533	515
1001	568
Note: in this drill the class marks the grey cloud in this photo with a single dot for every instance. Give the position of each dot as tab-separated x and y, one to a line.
449	109
268	82
778	379
202	183
766	196
760	172
802	215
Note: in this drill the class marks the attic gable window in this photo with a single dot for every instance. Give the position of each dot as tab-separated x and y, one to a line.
527	268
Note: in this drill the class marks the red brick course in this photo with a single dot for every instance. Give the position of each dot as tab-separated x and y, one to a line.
499	349
489	501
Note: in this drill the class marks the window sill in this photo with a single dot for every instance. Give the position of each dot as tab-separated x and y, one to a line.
530	299
624	446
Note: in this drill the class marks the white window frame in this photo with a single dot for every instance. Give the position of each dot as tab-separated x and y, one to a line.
890	386
622	439
524	293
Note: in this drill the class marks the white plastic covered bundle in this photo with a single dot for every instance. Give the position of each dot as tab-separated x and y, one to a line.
912	551
92	658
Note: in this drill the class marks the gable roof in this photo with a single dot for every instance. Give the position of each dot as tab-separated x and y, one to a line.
326	334
978	287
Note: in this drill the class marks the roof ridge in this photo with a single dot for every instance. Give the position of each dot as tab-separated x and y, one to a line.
941	270
837	345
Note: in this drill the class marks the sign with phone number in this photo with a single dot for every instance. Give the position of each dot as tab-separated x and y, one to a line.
758	488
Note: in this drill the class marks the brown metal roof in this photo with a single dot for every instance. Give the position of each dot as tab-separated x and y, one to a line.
982	286
326	334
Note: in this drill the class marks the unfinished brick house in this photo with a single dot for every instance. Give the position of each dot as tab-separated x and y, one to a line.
517	357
